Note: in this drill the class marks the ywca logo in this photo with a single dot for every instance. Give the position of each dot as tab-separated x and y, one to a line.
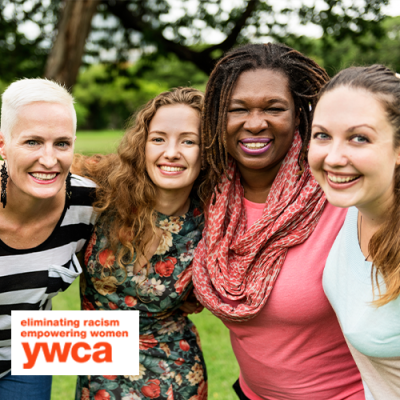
75	342
103	353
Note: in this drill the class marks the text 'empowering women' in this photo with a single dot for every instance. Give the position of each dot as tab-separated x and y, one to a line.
75	343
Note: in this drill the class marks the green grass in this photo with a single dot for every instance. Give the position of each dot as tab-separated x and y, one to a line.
221	363
91	142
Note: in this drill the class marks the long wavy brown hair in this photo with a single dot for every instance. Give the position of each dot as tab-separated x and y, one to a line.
126	196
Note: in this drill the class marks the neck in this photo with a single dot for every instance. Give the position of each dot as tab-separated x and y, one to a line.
374	215
173	202
258	182
23	208
370	218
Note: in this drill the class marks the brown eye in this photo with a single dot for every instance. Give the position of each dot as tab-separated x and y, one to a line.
234	110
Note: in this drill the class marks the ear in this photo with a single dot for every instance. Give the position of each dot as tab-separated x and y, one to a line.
2	146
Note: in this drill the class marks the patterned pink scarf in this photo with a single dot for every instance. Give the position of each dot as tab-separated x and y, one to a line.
243	265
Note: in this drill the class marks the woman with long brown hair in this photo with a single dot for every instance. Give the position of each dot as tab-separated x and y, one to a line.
140	254
269	229
355	156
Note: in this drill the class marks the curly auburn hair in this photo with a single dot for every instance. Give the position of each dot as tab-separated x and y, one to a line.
126	196
305	79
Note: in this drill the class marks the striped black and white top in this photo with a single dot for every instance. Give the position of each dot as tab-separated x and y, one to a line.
29	278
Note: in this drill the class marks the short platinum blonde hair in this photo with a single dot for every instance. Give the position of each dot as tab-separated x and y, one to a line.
26	91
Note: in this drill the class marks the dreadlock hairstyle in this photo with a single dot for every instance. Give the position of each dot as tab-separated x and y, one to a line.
305	80
384	246
126	196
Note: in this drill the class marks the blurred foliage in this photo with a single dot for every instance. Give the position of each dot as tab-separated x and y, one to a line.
106	99
168	45
21	56
368	49
175	27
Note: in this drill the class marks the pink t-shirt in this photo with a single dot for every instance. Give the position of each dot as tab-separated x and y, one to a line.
294	348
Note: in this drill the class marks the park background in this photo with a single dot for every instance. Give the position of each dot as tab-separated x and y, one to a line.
114	55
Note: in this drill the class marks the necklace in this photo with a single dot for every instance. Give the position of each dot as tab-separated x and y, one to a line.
359	237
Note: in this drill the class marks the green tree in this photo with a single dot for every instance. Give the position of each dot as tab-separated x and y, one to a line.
155	26
345	53
105	99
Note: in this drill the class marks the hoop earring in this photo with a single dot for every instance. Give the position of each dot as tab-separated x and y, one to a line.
4	177
68	191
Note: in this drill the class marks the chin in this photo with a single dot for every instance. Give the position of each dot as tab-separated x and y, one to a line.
340	202
46	194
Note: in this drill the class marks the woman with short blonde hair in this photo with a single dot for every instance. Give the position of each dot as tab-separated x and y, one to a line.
46	214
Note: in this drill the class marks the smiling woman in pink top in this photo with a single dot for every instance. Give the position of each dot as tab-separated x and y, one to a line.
269	229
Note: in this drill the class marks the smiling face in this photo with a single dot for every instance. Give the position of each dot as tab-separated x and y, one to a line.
40	151
173	148
352	152
261	120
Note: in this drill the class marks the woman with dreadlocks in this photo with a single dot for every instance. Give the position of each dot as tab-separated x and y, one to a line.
269	229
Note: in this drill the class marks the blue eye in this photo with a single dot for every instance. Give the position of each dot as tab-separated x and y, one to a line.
157	140
189	142
321	136
360	139
31	142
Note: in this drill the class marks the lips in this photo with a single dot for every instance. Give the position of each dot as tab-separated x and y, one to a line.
341	182
342	179
255	146
43	176
171	169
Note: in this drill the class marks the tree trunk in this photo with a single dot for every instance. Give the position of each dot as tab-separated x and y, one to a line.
74	26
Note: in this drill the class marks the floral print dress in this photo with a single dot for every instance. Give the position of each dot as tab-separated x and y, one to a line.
171	362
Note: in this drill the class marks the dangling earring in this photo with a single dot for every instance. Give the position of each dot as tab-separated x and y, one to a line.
68	191
4	177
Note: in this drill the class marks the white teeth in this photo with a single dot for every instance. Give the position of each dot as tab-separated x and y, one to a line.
44	177
254	145
337	179
171	169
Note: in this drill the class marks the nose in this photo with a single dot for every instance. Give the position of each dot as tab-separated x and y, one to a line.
172	151
256	122
337	156
48	156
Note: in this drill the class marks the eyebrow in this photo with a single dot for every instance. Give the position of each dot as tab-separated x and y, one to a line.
322	128
36	137
180	134
273	100
351	129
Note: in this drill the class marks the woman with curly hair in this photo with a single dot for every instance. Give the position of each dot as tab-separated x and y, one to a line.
269	229
140	254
